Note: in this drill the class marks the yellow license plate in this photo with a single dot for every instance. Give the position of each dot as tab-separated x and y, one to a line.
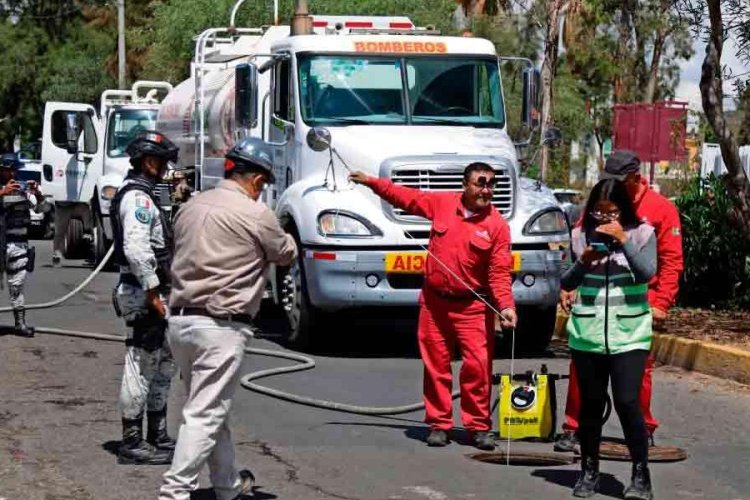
414	262
405	262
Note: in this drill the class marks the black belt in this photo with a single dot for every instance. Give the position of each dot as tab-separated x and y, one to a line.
199	311
463	297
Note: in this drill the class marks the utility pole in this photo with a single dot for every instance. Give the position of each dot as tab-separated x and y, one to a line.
121	43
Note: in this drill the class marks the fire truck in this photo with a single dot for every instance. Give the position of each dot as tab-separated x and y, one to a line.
84	161
395	100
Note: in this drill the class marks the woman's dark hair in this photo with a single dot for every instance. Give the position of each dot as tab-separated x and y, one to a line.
613	191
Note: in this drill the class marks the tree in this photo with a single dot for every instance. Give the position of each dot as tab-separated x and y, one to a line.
737	15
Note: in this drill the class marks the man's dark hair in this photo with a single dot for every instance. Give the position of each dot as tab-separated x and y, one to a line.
476	167
613	191
244	170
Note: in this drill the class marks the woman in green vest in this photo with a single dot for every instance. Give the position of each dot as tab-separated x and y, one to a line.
609	329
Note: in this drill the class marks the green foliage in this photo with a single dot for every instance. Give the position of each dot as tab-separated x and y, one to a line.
717	257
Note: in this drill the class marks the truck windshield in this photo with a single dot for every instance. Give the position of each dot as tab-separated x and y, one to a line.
419	90
123	126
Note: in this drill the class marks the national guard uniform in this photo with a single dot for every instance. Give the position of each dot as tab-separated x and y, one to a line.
143	252
16	256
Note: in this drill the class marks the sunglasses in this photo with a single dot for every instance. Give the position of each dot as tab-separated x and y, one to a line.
605	216
485	182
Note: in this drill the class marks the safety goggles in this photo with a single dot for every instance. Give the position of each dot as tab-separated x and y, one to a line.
605	216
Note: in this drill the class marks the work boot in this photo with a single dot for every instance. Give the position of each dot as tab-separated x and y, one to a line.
437	438
22	329
134	450
484	440
640	486
566	442
157	430
588	481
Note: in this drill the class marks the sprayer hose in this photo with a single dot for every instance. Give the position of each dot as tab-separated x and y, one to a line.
305	362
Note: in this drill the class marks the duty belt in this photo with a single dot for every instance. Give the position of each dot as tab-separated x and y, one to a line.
199	311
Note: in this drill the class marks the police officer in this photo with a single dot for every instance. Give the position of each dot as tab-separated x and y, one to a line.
16	257
143	252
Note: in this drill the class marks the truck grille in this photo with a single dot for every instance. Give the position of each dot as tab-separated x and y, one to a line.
433	179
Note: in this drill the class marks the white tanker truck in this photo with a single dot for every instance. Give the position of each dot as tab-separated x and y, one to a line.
84	162
399	102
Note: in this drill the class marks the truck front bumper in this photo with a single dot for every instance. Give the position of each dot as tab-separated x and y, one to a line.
339	279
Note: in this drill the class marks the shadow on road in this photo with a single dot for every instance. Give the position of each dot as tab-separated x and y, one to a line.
208	494
608	484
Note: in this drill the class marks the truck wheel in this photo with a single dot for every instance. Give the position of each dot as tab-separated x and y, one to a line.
301	316
100	241
533	333
74	244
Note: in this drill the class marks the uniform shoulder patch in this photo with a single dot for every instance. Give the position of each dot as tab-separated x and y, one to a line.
142	202
143	215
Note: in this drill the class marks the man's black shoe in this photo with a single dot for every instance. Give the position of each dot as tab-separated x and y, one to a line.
484	440
247	483
566	442
437	438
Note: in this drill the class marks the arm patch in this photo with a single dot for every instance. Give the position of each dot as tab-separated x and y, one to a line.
143	215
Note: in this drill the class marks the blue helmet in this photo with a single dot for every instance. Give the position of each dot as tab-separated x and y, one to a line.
250	152
10	160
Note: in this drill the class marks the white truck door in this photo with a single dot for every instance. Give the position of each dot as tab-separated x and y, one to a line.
281	128
70	141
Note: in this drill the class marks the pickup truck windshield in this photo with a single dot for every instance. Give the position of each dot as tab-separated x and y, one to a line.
345	90
123	126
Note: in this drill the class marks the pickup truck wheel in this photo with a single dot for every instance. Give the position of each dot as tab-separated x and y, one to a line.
301	316
74	243
534	332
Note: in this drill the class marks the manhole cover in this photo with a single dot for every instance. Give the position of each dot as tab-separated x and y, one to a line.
528	458
610	450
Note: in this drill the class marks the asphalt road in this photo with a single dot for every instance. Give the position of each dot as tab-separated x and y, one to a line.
59	422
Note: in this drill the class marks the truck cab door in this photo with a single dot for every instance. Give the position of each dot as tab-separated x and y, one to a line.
70	141
281	128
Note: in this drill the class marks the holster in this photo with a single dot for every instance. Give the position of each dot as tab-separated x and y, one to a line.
149	332
30	259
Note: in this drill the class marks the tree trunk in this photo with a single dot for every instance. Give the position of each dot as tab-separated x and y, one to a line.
736	181
549	69
625	30
653	74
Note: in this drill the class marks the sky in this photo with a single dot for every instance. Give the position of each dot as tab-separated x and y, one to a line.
690	76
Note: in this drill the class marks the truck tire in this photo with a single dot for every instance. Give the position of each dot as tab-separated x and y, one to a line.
100	246
533	333
301	317
74	245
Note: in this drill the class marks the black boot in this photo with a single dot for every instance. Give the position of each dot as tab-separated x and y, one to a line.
22	329
157	430
134	450
640	486
588	481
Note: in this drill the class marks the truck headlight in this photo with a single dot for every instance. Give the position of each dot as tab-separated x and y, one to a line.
344	224
550	221
108	192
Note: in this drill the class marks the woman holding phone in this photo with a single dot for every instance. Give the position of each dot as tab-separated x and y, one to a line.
609	329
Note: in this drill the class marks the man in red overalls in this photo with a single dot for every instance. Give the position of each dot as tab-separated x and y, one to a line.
469	255
654	209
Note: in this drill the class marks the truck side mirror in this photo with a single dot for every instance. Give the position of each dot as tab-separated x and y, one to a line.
72	131
530	107
246	96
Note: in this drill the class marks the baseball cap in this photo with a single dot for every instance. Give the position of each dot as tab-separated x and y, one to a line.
621	163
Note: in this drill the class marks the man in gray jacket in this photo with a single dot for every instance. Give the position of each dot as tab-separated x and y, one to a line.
224	241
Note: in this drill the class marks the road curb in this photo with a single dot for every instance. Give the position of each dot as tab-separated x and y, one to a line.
705	357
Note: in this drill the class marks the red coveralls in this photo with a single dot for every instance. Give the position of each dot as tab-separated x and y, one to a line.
658	211
477	249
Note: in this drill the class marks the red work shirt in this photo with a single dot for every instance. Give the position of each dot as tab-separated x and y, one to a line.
661	213
474	248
